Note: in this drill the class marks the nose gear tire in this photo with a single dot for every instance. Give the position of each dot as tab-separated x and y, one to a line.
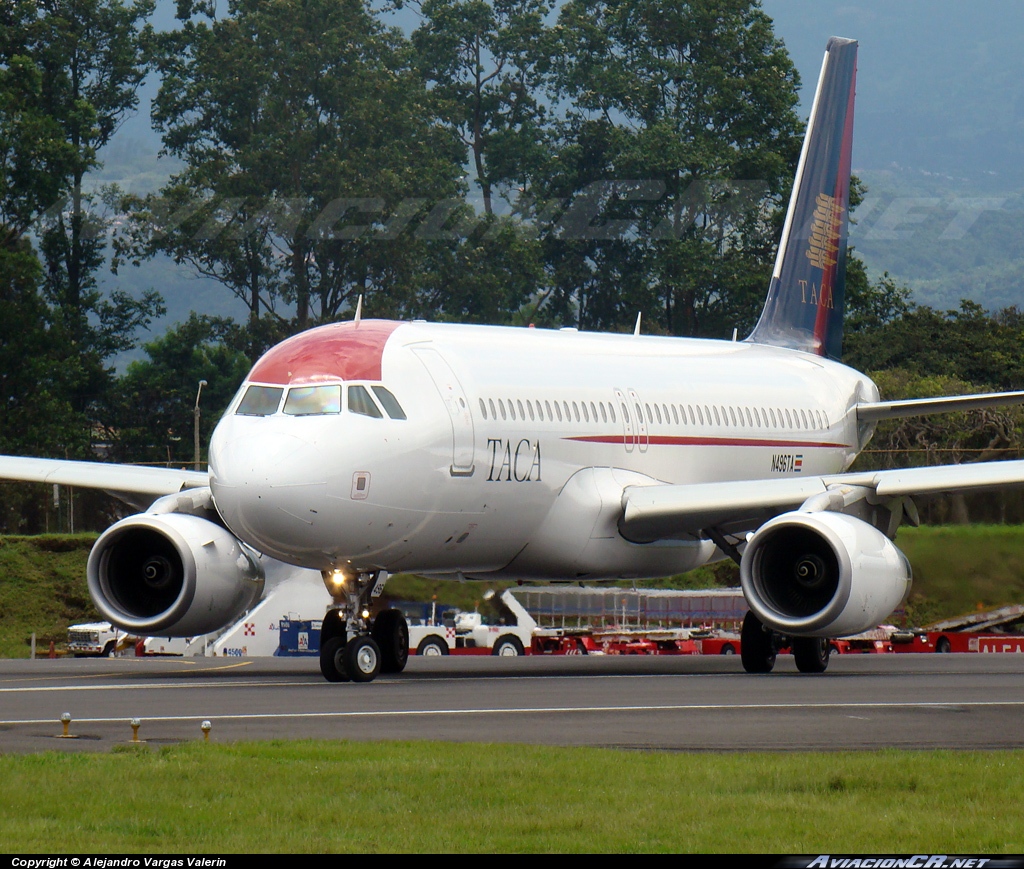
332	660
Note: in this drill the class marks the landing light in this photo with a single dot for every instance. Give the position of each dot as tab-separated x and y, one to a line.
365	614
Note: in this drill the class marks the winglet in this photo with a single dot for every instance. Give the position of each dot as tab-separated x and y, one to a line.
359	310
804	309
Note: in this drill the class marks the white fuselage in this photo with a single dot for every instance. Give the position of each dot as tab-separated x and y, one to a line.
517	445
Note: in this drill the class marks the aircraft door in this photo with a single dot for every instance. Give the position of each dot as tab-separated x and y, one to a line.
457	404
628	436
639	422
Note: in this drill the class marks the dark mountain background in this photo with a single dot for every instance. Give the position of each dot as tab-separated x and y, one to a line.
939	138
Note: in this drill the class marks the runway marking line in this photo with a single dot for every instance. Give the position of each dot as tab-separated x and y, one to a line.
121	686
541	710
206	669
16	679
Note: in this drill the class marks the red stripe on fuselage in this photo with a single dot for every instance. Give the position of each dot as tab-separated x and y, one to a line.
668	440
339	351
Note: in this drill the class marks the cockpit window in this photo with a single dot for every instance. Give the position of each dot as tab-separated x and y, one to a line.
260	401
359	401
390	403
309	400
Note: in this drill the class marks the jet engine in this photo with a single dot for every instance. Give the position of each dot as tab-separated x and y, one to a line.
172	575
822	574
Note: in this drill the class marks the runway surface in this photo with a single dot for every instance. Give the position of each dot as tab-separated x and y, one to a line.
665	703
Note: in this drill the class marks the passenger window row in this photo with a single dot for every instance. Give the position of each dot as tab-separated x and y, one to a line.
734	416
547	410
721	416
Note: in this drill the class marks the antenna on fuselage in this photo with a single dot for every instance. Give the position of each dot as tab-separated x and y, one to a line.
636	329
359	310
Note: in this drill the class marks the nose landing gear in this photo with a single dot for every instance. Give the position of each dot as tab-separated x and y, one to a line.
355	644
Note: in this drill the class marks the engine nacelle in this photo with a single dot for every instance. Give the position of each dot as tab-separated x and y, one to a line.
822	575
172	575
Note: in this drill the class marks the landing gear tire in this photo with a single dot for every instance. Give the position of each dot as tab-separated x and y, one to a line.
431	647
811	654
757	646
332	660
508	647
391	632
362	659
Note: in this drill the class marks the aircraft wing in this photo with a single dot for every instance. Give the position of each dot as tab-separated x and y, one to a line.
666	511
137	485
873	411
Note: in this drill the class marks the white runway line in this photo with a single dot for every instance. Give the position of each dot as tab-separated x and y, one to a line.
541	710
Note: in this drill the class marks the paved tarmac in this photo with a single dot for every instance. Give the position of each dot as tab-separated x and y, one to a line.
665	703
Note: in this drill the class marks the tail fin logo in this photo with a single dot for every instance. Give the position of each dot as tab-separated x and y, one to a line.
804	308
823	243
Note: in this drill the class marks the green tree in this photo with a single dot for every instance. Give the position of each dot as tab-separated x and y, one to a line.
486	277
968	343
37	415
485	61
35	158
90	53
69	74
152	404
35	161
308	151
678	147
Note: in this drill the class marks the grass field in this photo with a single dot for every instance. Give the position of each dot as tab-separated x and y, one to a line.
309	797
42	590
960	568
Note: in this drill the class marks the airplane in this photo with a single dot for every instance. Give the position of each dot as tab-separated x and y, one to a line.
371	447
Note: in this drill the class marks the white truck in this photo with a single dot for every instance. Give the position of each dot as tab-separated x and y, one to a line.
467	634
97	640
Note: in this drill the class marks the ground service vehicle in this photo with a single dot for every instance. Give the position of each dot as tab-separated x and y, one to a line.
96	639
467	634
990	631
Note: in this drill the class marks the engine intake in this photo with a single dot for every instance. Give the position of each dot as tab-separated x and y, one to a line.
172	575
822	574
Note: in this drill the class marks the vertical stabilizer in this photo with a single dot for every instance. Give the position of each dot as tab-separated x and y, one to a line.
804	309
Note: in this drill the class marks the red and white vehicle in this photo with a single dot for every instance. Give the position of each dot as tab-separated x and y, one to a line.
984	632
953	641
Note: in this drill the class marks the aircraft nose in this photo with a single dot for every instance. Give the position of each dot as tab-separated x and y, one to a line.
268	485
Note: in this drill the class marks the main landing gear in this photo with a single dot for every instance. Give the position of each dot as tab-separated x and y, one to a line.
355	646
759	646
